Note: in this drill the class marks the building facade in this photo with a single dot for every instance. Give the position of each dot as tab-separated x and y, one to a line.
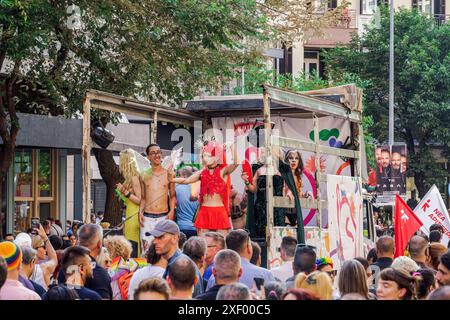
304	56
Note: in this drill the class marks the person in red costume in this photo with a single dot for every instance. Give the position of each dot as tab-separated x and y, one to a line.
213	214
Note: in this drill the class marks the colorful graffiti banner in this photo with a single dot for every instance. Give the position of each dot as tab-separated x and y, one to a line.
345	217
312	236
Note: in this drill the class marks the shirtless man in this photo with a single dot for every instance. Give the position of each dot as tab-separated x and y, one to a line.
159	198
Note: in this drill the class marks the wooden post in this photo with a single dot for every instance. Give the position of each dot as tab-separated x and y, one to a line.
317	178
86	159
269	172
154	128
360	139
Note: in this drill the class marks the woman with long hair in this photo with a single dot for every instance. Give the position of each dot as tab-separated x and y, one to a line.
131	189
353	279
294	159
258	186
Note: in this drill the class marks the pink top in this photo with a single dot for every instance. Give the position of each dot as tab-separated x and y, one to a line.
14	290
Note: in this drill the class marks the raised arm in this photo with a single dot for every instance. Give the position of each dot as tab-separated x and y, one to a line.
193	178
250	185
48	267
230	168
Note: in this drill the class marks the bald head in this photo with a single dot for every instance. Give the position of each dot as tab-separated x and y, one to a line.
227	267
90	236
385	247
182	274
417	247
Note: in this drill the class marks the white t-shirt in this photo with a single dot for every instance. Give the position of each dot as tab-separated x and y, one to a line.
38	276
141	275
283	272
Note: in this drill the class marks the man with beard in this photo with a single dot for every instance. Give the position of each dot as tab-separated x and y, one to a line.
404	163
384	172
90	236
398	178
378	156
77	267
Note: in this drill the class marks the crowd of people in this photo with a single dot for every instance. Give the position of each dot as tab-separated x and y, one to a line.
212	266
180	244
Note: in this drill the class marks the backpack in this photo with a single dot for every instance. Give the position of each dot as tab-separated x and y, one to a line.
122	271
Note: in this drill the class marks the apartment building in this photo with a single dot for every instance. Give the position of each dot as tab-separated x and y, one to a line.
304	56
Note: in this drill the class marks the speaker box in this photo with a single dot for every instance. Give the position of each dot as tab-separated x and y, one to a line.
102	136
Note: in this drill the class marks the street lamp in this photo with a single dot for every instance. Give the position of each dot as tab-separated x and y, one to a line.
391	74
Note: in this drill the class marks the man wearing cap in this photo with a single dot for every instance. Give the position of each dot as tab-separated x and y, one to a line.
166	235
13	289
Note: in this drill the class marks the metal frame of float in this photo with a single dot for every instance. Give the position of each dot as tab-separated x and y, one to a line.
116	103
349	109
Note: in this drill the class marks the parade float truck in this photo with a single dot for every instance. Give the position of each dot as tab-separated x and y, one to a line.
325	126
334	213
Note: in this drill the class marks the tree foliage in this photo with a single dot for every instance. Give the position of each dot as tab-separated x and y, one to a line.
292	20
52	51
422	86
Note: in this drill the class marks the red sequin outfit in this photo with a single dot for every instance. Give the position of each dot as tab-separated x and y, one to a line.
212	218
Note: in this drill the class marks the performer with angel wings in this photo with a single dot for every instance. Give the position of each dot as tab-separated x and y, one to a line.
131	190
213	214
159	196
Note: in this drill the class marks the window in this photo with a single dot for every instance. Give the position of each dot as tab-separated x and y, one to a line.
23	176
332	4
368	6
286	62
422	5
311	64
35	181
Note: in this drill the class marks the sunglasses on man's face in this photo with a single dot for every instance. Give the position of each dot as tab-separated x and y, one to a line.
155	153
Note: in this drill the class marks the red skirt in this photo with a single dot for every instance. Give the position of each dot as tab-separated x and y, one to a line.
212	218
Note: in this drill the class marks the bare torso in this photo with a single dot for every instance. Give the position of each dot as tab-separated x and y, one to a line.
157	192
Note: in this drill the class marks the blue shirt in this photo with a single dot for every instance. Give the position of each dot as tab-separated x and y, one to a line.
208	272
185	207
249	271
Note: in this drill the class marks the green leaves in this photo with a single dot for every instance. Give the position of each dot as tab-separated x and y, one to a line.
164	50
422	84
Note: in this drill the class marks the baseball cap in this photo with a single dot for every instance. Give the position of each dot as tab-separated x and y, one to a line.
23	239
12	254
165	226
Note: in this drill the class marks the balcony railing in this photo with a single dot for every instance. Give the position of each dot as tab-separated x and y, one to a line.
441	19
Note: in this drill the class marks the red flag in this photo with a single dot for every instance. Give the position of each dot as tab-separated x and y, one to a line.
406	224
247	169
